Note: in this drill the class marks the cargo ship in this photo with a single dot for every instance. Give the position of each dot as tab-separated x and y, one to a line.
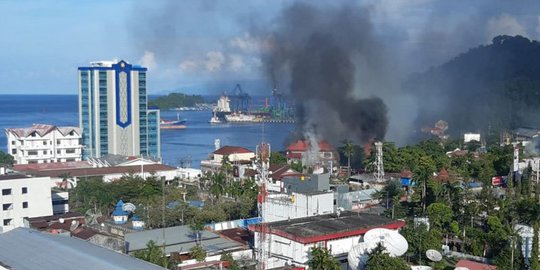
241	118
173	124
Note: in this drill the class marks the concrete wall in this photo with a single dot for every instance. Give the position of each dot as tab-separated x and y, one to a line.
315	182
282	206
38	197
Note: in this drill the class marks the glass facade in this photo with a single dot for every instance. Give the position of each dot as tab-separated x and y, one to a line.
85	112
153	133
103	114
98	94
143	126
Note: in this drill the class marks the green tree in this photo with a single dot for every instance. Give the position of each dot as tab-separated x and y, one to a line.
321	259
349	151
197	226
439	214
420	240
153	254
6	159
535	265
217	184
198	253
276	158
379	259
233	264
423	174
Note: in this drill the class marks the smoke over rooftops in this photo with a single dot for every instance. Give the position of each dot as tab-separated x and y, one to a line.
314	53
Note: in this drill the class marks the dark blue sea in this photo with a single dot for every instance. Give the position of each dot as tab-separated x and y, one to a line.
189	145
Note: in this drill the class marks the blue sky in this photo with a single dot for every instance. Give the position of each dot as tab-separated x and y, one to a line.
205	46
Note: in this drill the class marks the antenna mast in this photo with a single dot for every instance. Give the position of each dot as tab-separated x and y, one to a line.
263	164
379	172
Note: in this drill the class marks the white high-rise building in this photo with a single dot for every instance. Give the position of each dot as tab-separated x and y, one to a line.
113	111
22	196
44	144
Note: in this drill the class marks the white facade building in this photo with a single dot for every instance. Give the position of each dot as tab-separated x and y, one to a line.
297	205
21	197
469	137
288	242
44	144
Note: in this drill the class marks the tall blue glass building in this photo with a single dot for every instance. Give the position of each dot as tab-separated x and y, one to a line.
113	111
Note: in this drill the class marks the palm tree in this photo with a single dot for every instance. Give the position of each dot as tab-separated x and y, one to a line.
321	259
217	185
65	184
349	151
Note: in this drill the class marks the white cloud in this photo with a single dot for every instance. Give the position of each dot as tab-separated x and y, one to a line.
148	60
504	25
236	62
188	65
245	43
214	60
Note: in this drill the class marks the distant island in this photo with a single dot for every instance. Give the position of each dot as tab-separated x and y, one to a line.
177	100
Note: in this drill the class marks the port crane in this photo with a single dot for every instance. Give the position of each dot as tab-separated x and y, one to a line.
240	98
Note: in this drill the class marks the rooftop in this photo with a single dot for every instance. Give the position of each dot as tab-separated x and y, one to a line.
42	130
51	166
475	265
303	145
78	172
327	227
12	176
180	239
229	150
26	249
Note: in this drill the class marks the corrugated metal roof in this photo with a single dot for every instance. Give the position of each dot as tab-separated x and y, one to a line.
26	249
178	239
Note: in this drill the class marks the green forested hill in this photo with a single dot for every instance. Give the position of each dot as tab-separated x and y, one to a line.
491	87
176	100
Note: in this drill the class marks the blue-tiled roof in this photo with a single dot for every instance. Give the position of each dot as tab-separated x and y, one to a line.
118	209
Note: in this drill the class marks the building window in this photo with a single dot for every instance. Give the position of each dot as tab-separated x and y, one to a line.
44	142
13	151
7	206
12	142
58	142
8	221
24	190
6	191
25	205
32	153
70	151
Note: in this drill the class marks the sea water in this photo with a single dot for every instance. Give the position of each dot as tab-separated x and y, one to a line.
187	146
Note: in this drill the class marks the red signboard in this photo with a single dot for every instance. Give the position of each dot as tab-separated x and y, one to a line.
496	180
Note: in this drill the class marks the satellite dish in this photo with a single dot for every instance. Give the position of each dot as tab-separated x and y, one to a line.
74	225
433	255
393	242
129	207
358	257
90	217
421	267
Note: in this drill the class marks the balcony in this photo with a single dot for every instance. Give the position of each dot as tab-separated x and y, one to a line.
66	146
35	147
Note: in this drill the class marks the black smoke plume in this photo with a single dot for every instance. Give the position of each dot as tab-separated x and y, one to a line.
314	53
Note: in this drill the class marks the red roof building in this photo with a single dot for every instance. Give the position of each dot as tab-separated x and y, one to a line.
299	151
292	239
475	265
303	145
231	150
